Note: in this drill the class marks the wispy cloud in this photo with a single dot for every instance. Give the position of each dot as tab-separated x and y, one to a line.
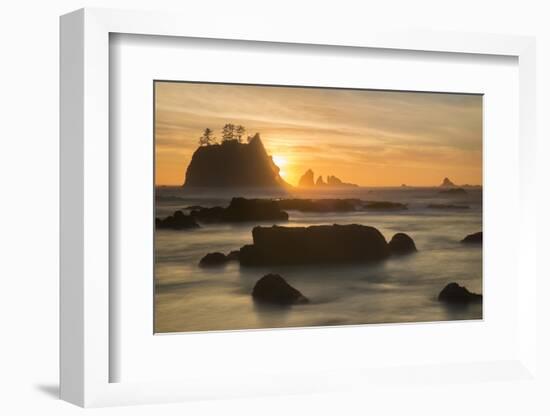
366	137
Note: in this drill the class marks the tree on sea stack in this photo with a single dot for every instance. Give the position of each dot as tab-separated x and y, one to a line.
239	132
228	132
207	138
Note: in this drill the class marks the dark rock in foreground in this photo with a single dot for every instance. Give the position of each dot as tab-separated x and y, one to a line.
319	205
242	210
213	259
476	238
448	206
272	288
177	221
314	245
454	191
453	293
385	205
401	243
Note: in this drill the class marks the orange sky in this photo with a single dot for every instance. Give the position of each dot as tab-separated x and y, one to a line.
371	138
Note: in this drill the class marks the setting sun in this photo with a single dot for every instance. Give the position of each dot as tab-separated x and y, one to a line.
281	162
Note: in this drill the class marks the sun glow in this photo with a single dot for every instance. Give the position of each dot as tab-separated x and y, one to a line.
281	162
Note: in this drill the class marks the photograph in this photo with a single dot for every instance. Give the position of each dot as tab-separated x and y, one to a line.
281	206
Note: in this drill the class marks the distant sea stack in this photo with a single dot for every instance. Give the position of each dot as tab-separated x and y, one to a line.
232	164
307	181
447	183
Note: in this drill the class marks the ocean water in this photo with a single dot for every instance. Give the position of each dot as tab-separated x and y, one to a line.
397	290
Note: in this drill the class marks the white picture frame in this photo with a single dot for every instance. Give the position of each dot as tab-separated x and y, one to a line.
85	212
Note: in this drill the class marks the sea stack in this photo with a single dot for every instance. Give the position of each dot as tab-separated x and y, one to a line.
447	183
306	181
233	164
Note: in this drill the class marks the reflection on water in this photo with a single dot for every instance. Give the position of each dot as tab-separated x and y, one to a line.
402	289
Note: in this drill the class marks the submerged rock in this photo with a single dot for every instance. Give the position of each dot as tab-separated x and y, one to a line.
453	293
383	205
272	288
213	214
475	238
448	206
319	205
177	221
401	243
233	255
213	259
242	210
218	259
454	191
314	245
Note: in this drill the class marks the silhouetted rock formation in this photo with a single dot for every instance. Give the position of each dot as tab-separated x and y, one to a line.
319	205
401	243
476	238
453	293
233	165
454	191
448	206
447	183
272	288
313	245
306	180
233	255
242	210
177	221
218	259
213	259
385	205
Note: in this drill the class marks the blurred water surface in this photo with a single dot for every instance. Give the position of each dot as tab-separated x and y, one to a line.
400	289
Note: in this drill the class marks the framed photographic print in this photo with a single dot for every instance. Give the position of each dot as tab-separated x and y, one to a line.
280	213
331	207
